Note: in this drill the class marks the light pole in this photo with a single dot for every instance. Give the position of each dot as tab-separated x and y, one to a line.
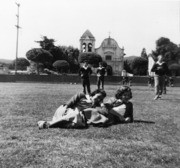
17	26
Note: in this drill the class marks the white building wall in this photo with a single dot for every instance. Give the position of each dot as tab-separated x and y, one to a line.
117	56
150	64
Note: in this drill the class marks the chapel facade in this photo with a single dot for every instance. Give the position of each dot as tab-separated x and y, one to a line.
109	50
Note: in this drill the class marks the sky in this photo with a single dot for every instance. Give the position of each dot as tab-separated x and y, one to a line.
134	24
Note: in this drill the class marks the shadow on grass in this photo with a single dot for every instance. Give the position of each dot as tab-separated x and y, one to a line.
67	125
117	123
170	99
143	121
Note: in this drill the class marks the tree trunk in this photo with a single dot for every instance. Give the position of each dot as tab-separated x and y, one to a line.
38	68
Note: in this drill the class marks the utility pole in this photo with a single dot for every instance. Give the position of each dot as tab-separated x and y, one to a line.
17	26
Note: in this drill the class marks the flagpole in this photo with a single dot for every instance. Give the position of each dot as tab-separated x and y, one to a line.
17	37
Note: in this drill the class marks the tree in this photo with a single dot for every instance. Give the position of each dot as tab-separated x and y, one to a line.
39	55
58	53
174	69
167	49
91	58
22	63
136	65
73	63
104	63
61	66
46	43
70	54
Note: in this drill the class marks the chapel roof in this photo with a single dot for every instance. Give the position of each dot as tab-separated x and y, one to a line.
109	42
88	34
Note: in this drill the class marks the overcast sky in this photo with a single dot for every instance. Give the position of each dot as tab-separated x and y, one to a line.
133	24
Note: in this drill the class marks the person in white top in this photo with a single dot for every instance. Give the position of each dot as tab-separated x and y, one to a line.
160	69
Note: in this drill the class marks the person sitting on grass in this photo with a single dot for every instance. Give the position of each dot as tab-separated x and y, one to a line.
117	109
71	115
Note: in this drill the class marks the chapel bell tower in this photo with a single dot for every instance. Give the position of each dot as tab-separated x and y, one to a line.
87	42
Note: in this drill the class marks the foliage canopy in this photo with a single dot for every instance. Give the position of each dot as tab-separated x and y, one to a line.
61	65
92	58
136	65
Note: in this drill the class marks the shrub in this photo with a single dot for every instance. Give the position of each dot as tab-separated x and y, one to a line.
22	63
61	66
136	65
174	69
39	55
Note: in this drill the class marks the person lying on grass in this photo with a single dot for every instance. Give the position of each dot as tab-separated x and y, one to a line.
71	115
117	109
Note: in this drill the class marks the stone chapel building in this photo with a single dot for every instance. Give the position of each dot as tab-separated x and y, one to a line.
109	50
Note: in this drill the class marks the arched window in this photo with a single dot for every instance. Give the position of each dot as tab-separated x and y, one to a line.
84	47
89	47
108	57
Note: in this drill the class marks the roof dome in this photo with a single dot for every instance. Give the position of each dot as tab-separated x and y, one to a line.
109	42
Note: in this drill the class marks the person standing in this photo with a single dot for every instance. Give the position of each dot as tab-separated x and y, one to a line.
165	84
171	81
85	71
100	75
149	81
124	77
161	69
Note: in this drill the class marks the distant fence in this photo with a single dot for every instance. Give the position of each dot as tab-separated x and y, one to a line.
136	80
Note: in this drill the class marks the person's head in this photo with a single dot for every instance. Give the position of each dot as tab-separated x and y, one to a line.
101	64
98	95
85	63
160	58
124	93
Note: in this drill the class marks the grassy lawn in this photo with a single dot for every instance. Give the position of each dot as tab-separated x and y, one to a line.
153	140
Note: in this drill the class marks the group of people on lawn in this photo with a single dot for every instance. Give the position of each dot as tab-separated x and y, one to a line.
83	110
89	109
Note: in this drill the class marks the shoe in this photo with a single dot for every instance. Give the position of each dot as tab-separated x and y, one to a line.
156	97
127	120
43	124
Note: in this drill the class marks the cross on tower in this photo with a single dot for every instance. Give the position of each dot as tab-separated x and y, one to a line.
109	33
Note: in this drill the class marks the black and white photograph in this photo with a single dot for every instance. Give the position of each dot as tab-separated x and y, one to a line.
90	84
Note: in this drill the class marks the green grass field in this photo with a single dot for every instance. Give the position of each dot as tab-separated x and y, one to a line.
153	140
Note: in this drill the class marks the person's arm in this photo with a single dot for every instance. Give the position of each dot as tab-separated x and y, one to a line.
97	70
80	71
109	102
89	70
153	69
129	111
166	69
104	71
73	101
